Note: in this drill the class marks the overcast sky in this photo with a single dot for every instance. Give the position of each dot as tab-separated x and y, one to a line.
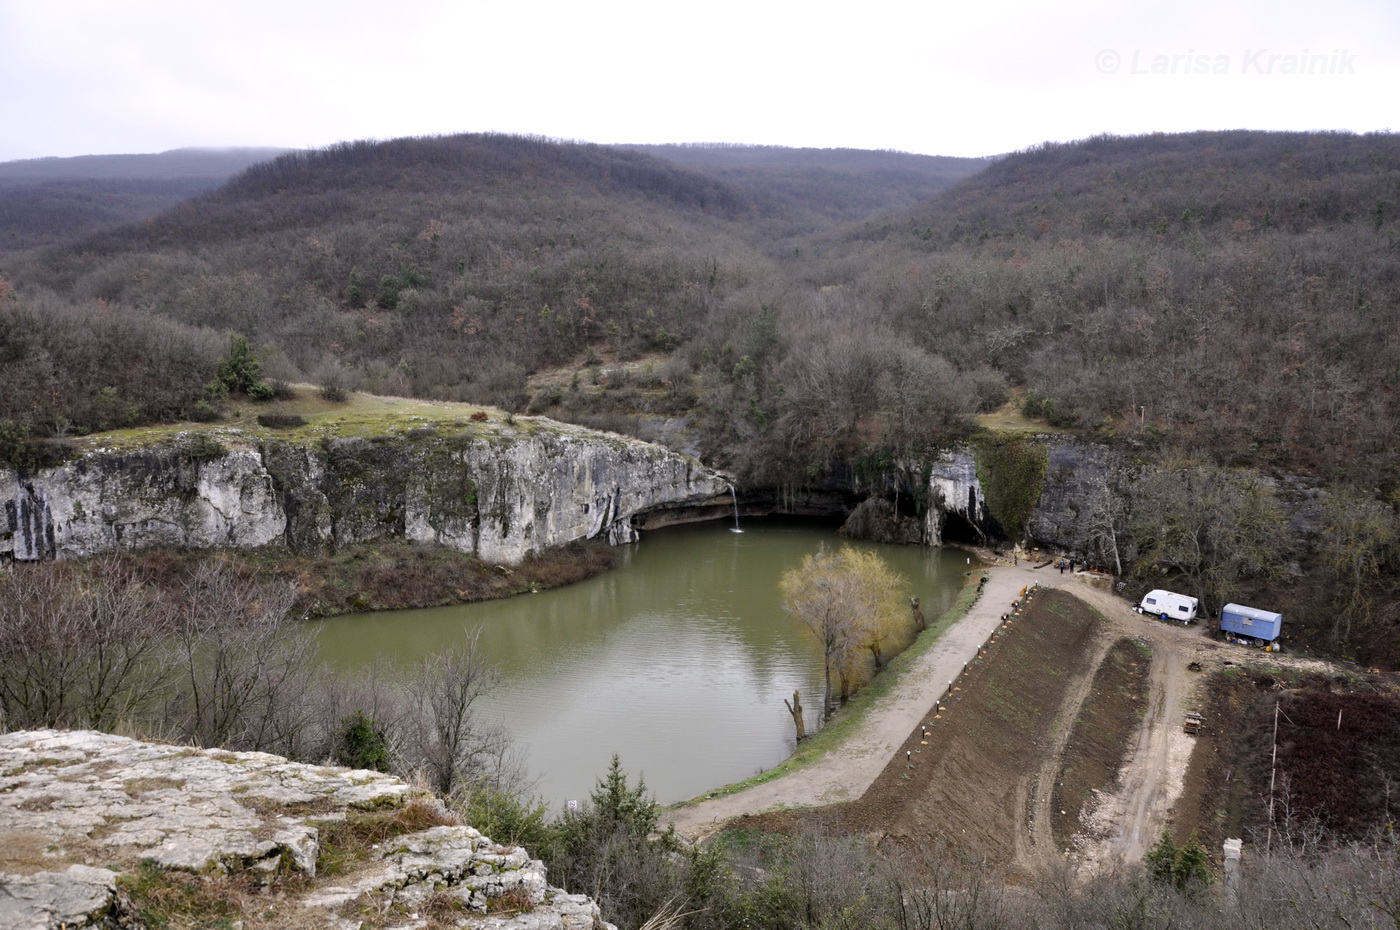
82	77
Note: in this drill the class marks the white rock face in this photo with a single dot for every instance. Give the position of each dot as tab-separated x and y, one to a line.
103	503
67	796
953	488
547	490
500	496
79	896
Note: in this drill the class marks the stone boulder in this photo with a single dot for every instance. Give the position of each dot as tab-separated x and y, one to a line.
91	822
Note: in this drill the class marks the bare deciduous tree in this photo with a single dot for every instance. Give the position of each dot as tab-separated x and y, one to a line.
1214	527
245	668
1101	523
446	737
1359	536
79	646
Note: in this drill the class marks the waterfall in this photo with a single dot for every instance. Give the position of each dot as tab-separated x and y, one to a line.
735	498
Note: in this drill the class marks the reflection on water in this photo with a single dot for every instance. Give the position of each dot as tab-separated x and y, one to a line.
678	660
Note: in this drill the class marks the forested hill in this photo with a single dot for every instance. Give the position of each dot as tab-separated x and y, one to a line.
403	178
1224	306
47	200
846	184
1165	184
449	267
1231	296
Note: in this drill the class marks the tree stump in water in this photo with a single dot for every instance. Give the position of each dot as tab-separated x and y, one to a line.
795	708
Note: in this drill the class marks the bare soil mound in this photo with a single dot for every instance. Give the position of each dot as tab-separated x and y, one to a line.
971	776
1100	743
1063	741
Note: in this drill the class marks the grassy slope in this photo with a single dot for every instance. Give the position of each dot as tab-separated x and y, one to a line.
360	415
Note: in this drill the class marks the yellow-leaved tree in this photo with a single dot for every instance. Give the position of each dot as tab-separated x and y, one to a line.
853	603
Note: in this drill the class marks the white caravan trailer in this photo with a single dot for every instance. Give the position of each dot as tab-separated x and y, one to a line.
1169	606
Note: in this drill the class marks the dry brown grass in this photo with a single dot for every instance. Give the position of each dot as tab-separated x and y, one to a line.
513	902
135	787
174	900
25	853
385	575
347	843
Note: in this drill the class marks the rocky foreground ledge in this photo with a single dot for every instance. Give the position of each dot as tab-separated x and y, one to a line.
103	831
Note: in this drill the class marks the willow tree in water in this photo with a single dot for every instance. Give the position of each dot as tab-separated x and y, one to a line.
852	602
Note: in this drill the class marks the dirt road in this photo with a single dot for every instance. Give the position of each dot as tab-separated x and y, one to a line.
846	773
1124	825
1127	823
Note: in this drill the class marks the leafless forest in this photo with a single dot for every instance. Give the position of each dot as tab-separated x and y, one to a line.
1228	294
1223	306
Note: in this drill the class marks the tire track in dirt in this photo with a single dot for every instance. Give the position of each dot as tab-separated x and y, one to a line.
1035	851
1127	822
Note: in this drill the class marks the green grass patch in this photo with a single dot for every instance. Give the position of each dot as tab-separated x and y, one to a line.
1010	420
306	419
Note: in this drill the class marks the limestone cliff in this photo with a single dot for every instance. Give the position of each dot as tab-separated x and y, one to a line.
1077	479
499	492
1080	480
103	831
953	489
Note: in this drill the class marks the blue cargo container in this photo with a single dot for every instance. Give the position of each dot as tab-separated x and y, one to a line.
1263	625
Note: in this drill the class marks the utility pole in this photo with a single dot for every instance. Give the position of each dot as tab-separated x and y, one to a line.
1273	769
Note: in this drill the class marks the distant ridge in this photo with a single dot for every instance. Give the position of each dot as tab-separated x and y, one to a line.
44	201
1163	182
840	183
176	163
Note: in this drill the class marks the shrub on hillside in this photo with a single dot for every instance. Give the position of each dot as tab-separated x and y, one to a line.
281	420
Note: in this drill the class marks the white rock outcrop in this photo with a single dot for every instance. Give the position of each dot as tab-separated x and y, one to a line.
499	494
78	810
953	488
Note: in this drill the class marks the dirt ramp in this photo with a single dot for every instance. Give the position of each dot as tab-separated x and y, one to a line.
970	781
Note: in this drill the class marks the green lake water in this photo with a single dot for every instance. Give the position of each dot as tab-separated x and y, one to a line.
678	660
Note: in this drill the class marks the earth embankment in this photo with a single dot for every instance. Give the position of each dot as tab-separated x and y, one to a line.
983	765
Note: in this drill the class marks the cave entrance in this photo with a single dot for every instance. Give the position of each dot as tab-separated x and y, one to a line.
958	529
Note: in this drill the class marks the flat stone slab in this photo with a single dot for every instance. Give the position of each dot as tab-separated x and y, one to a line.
182	807
79	896
77	808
